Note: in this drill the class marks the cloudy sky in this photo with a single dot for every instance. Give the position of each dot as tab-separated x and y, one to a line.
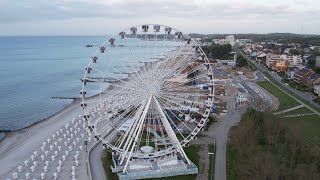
99	17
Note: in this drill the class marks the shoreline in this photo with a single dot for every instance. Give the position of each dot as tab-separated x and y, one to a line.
8	132
19	144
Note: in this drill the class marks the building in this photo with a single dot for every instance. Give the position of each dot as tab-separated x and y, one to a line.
302	76
316	86
272	59
228	40
291	71
294	60
307	58
281	66
318	61
316	89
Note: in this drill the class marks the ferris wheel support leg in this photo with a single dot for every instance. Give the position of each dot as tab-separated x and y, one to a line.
137	134
170	131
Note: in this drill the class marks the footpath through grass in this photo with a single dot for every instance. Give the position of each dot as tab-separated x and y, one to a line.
286	102
302	110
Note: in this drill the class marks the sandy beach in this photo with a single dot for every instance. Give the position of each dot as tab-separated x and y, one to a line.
18	145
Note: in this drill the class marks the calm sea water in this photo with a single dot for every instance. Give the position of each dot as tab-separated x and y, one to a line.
34	69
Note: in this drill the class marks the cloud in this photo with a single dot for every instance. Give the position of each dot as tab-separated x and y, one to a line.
203	13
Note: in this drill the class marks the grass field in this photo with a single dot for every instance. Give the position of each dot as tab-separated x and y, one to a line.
285	101
308	125
212	149
231	163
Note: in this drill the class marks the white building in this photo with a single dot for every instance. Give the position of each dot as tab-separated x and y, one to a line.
294	60
316	89
228	40
243	41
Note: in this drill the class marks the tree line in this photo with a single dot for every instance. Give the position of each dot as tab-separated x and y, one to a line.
218	51
263	147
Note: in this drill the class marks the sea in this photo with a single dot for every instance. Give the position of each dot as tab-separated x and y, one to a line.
36	68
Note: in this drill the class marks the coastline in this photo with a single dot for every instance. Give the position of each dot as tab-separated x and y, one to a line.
19	144
7	132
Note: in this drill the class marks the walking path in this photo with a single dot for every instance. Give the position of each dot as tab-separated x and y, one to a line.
298	115
288	110
311	109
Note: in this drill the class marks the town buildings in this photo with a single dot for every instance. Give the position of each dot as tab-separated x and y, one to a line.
301	76
228	40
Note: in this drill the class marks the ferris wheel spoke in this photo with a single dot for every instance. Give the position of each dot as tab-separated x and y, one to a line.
130	111
179	104
137	74
164	104
183	99
169	73
118	79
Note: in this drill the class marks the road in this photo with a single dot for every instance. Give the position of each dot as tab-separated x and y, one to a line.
96	166
278	79
220	132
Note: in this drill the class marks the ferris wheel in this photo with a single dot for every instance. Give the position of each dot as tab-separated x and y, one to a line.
147	92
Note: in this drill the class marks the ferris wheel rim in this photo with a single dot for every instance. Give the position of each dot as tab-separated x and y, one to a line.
184	141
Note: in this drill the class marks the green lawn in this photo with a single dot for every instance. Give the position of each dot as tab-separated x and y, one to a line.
308	125
107	162
212	149
231	163
291	93
302	110
285	101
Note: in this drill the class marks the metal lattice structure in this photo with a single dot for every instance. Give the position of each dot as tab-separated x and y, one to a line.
146	93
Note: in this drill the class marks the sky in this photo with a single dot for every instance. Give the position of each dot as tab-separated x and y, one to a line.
100	17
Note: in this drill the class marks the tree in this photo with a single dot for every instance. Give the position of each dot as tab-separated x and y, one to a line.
315	52
241	62
294	52
220	51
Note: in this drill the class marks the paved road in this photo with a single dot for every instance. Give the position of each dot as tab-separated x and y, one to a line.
299	93
277	78
257	100
311	109
220	132
96	166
